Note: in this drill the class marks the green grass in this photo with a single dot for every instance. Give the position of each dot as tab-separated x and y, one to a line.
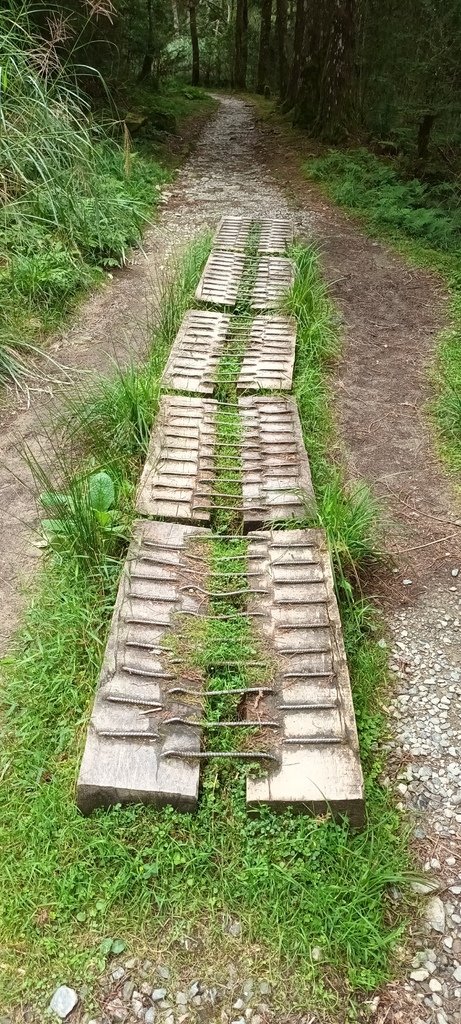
113	418
153	877
77	193
423	221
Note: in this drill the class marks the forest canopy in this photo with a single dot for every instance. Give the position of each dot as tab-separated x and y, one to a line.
342	68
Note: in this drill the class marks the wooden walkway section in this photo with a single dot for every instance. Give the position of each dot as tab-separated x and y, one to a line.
320	768
274	277
196	352
233	235
276	478
269	356
177	479
144	737
129	727
221	279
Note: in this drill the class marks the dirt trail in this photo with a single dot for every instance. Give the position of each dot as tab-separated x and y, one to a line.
390	315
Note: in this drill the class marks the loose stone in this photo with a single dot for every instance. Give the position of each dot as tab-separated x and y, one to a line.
63	1001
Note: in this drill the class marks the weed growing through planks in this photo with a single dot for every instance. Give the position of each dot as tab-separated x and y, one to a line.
422	221
113	419
157	878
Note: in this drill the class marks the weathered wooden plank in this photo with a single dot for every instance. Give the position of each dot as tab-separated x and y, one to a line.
177	479
274	277
233	233
319	770
269	355
127	734
276	236
276	479
196	352
221	278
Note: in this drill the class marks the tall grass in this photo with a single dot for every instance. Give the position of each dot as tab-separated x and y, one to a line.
113	418
70	202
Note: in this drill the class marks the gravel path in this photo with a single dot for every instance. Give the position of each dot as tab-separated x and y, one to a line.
230	172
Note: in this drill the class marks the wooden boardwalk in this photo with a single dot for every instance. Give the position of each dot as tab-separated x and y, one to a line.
144	740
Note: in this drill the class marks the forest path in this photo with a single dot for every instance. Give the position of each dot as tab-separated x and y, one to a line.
390	314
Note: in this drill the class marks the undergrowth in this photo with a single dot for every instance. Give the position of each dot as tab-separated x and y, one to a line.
423	221
319	905
74	197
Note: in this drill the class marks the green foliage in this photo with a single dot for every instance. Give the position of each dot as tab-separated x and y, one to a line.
113	418
358	180
74	200
293	881
83	520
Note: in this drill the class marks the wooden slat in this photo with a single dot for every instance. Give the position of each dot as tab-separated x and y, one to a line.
221	278
269	355
319	768
276	479
233	233
276	236
274	277
122	762
196	352
177	479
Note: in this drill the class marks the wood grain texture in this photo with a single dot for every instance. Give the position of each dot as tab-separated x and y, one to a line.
198	347
269	355
122	762
274	277
276	236
320	768
276	478
177	479
221	278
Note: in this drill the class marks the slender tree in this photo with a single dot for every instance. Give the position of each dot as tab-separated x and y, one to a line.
194	41
281	35
264	44
241	44
294	81
336	102
146	70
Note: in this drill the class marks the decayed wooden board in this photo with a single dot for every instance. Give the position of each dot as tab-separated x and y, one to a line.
196	351
269	355
177	479
276	479
122	761
320	768
233	233
275	236
274	277
221	278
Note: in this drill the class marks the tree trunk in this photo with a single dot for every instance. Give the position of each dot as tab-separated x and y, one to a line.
195	46
264	44
307	101
424	134
292	92
281	34
174	10
241	44
146	70
336	104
